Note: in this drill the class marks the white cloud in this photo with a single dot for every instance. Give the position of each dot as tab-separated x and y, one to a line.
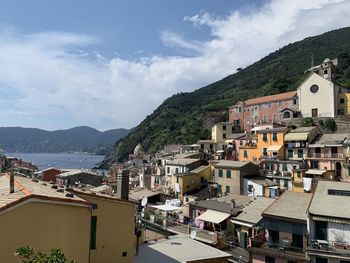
55	83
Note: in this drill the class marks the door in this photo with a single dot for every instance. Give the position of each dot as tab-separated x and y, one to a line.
321	230
314	113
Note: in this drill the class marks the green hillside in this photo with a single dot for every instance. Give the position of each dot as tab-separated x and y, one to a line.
179	119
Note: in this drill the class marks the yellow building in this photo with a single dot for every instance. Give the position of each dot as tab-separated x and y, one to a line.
86	227
36	215
193	180
114	220
269	143
344	103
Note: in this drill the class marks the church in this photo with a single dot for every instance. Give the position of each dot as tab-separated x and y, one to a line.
320	96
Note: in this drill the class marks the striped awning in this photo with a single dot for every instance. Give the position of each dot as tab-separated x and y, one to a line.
212	216
274	148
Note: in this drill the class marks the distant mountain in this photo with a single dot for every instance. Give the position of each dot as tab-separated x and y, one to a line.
179	119
78	139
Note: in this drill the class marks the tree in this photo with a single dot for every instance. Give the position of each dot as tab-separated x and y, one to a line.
330	124
30	255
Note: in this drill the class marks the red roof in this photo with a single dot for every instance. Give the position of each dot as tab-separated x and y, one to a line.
277	97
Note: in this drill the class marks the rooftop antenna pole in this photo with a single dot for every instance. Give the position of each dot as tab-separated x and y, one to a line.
312	60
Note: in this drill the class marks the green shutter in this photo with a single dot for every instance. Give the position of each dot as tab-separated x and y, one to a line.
93	228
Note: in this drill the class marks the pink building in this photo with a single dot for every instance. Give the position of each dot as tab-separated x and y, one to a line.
264	110
326	153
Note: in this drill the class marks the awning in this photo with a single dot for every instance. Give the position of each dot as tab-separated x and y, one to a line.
296	136
274	148
213	216
315	171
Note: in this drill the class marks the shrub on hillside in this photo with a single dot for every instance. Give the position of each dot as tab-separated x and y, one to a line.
330	124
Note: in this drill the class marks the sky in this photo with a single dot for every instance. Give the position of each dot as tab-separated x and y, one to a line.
110	63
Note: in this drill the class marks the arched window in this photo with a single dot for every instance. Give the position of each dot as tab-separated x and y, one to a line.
286	115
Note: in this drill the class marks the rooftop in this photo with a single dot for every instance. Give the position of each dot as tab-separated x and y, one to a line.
251	212
240	200
290	205
336	204
177	249
216	205
138	194
26	188
263	181
77	171
182	161
230	164
332	139
271	98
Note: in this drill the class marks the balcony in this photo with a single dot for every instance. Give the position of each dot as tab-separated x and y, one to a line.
210	237
283	248
325	155
326	247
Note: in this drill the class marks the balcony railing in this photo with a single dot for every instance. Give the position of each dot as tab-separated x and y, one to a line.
284	246
212	237
329	246
326	155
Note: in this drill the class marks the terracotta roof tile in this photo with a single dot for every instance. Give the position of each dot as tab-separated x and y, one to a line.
271	98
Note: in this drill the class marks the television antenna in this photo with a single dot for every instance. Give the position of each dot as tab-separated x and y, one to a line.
193	234
144	201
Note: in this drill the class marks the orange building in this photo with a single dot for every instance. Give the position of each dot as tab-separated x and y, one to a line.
269	143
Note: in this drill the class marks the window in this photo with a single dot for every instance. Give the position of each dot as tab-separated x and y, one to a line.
294	102
168	169
269	259
228	173
241	143
211	146
285	183
290	153
93	228
269	105
338	192
265	119
227	189
265	137
220	173
264	151
224	135
342	100
274	136
239	109
219	188
245	154
176	170
280	103
300	153
124	254
297	241
224	127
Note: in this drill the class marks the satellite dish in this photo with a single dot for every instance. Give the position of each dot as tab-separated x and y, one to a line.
193	234
177	188
144	201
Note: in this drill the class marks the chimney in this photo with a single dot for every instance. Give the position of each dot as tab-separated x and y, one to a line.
123	184
12	183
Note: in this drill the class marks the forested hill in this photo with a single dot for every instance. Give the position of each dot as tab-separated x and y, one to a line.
85	139
179	119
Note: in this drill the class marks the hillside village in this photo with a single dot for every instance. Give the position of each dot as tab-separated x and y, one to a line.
271	185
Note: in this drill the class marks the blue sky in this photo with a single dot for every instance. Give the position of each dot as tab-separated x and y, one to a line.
109	64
